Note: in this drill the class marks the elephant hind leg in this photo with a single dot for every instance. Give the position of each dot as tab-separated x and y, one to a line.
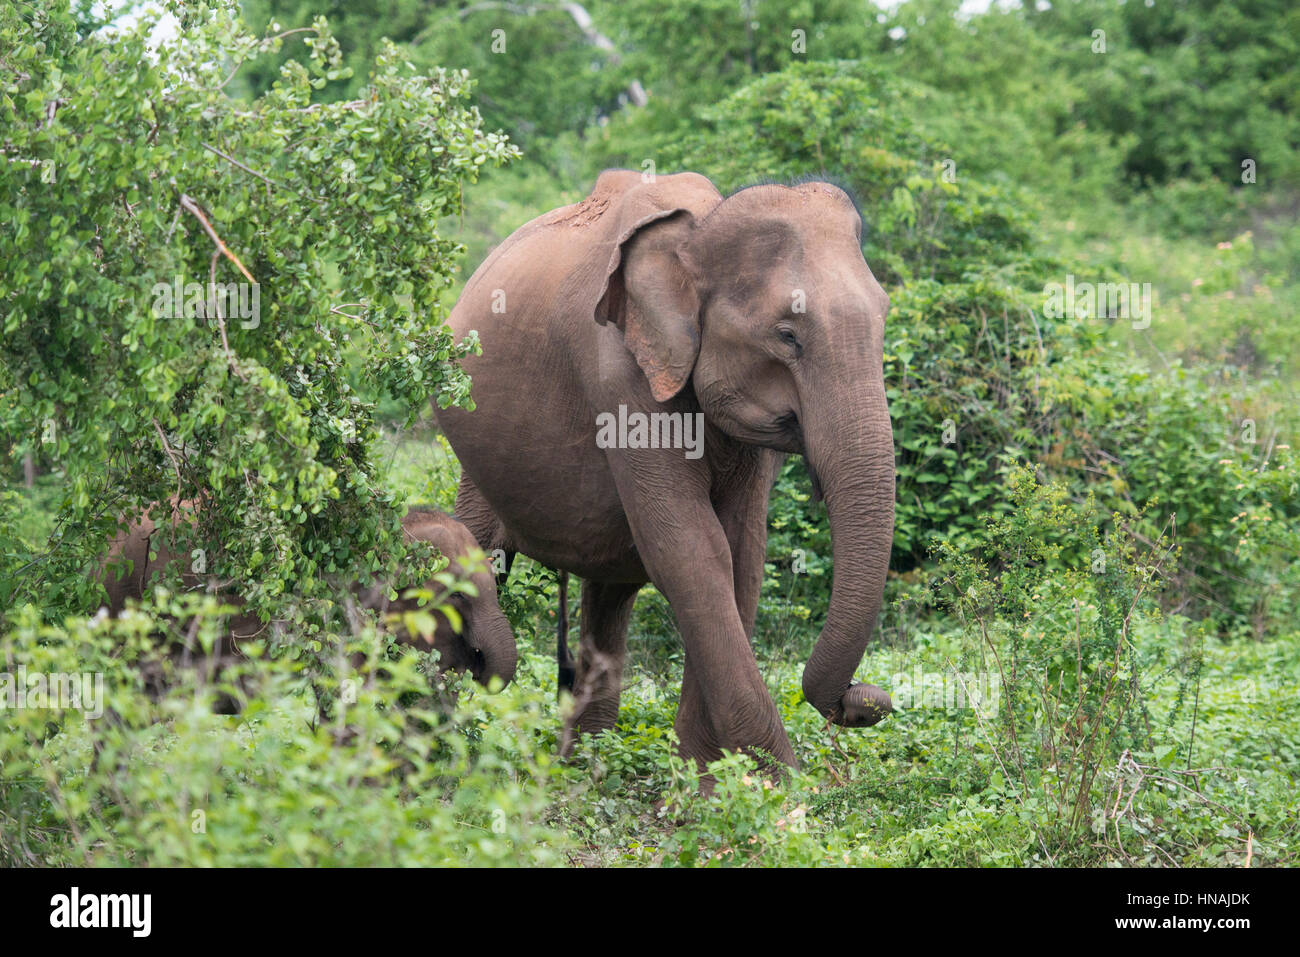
606	611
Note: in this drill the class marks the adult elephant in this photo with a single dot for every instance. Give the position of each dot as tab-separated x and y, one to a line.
659	295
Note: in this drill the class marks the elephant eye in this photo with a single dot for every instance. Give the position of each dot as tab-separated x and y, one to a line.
789	338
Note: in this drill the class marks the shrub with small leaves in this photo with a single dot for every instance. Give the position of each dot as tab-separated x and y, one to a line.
187	273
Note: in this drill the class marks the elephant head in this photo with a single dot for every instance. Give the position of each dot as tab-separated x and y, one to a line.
763	306
485	644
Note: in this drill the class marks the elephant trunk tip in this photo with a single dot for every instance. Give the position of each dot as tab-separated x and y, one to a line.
497	657
858	706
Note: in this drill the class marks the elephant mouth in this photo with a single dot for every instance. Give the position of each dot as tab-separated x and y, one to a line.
789	425
785	434
483	669
478	666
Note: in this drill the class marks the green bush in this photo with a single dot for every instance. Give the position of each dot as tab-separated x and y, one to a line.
1061	607
131	172
1182	448
850	121
399	777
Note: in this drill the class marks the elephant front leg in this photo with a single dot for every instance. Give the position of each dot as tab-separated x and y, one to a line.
683	546
743	515
603	621
708	724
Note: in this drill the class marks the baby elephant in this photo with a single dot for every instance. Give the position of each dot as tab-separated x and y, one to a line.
485	645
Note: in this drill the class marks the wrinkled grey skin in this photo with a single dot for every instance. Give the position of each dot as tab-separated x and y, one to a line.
757	310
485	646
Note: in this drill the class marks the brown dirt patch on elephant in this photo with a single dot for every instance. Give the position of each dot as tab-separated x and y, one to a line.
584	214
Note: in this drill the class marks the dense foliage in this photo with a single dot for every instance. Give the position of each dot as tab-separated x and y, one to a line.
136	187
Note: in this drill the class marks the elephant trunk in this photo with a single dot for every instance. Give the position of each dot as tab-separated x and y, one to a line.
493	642
851	451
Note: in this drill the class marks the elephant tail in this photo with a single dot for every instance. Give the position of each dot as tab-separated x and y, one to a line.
566	670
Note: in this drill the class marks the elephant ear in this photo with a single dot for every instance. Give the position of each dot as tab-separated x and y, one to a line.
650	287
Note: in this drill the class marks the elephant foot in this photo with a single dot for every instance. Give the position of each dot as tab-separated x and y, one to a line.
862	706
698	743
592	717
